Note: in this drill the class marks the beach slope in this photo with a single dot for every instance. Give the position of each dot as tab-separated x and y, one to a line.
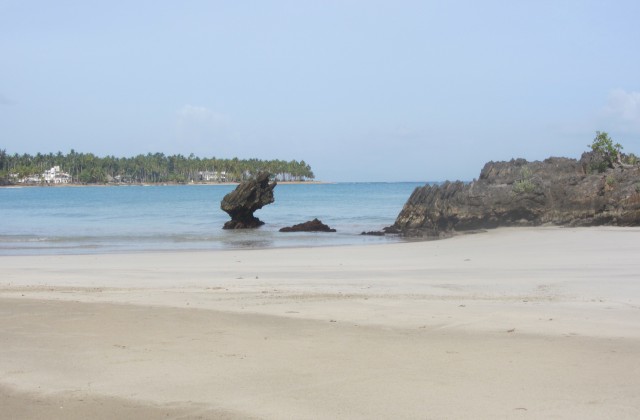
511	323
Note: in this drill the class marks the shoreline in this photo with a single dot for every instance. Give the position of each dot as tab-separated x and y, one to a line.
522	322
77	185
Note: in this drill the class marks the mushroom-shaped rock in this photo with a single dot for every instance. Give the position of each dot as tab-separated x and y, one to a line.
314	225
248	197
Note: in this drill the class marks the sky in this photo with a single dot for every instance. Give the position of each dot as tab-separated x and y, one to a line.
362	90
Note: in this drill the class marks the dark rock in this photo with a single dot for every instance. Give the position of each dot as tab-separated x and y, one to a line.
314	225
248	197
557	191
373	233
389	230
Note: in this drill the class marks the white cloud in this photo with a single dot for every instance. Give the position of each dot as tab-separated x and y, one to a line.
200	129
623	109
202	116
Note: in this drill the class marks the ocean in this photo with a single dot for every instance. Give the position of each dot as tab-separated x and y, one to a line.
115	219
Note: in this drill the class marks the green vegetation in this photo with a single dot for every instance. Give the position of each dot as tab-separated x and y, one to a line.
610	153
4	173
150	168
524	184
630	159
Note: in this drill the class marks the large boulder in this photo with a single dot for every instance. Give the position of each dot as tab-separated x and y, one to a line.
248	197
314	225
557	191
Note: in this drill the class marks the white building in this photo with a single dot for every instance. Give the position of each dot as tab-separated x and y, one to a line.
56	176
213	176
208	175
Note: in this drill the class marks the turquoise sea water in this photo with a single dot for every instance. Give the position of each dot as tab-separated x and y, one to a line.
67	220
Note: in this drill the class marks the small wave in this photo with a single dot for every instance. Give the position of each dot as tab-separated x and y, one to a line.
22	238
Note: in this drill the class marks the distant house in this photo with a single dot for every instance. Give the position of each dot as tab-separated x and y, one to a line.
212	176
56	176
31	179
208	175
121	179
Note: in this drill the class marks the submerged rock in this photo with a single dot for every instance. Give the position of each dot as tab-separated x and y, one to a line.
389	230
557	191
248	197
314	225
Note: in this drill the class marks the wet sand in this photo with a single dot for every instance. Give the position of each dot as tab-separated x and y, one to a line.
512	323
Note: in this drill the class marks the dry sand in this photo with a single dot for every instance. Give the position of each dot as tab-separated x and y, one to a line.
512	323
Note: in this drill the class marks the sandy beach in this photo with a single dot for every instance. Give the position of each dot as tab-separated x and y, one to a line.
512	323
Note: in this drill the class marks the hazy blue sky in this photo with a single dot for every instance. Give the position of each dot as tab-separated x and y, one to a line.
361	90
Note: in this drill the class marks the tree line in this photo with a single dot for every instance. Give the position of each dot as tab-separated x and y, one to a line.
87	168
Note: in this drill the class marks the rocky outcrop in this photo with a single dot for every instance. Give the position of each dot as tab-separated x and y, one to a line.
557	191
248	197
314	225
